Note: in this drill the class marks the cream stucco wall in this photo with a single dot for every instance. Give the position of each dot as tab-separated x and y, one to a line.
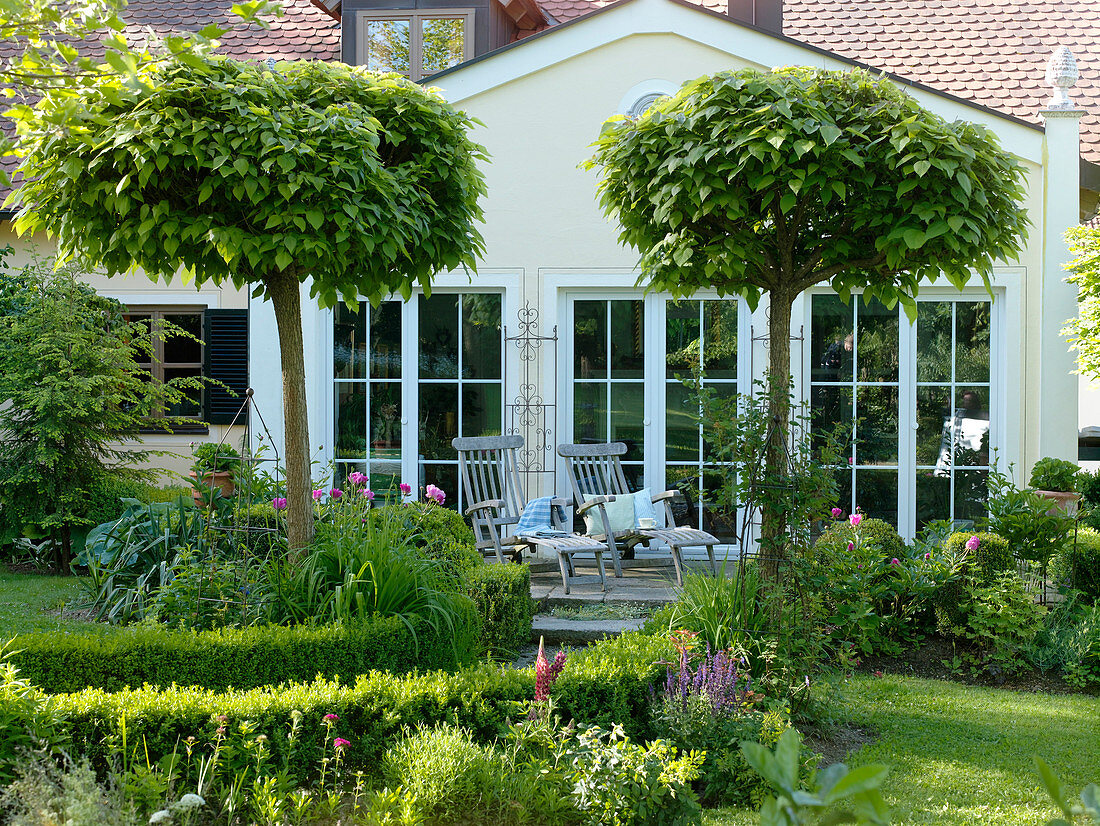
137	289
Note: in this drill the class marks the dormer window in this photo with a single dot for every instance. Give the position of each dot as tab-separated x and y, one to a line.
416	44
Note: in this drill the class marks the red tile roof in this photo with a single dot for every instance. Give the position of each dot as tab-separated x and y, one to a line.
992	52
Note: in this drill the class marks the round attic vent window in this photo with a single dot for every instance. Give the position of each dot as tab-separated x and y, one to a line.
643	103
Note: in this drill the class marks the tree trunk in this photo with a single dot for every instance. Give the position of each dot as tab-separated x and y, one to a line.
282	289
64	552
773	514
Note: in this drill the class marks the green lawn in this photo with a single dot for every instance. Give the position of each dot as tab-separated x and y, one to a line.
963	755
31	602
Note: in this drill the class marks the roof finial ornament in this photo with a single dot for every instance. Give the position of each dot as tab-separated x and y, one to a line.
1062	75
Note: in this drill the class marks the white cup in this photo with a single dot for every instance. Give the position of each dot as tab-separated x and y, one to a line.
647	522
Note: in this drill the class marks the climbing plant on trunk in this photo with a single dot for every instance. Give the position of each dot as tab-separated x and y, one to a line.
768	183
355	184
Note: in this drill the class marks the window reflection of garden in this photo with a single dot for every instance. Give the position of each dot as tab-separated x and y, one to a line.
700	339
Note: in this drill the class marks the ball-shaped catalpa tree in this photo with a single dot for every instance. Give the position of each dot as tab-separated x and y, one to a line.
755	183
362	185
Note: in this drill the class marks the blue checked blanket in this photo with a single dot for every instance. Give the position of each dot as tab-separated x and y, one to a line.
536	520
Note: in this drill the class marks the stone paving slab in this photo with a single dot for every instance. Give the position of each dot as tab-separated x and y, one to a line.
556	631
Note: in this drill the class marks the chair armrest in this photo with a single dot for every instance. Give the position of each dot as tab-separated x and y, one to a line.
488	504
674	495
594	502
558	502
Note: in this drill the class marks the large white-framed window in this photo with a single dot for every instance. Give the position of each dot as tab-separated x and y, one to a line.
417	44
923	401
409	376
625	357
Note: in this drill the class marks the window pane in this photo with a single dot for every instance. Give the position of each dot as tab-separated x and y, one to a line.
181	349
877	342
481	336
627	412
439	336
385	341
385	419
971	426
351	420
722	392
832	410
192	403
387	46
877	494
933	496
681	338
877	426
934	341
831	344
444	477
720	339
589	412
627	340
590	339
681	424
349	355
441	44
438	420
971	493
718	520
972	325
481	409
933	426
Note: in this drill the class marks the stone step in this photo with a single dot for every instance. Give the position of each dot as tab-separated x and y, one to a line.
544	566
558	631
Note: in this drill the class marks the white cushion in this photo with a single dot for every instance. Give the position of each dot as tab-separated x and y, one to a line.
620	514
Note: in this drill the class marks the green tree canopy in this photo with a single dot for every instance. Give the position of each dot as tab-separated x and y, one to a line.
361	185
1084	331
756	183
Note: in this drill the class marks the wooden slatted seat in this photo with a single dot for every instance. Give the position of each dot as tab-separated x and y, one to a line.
490	480
596	478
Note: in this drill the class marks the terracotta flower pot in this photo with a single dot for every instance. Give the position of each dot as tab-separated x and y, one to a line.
221	479
1064	500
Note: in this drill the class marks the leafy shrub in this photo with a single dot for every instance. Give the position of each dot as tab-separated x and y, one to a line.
876	533
373	712
29	720
872	602
1078	565
105	497
1002	620
979	567
502	596
1034	531
1082	667
609	682
211	457
1055	474
1089	484
237	658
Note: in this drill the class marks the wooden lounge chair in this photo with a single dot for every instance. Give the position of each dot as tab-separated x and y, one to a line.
596	472
490	479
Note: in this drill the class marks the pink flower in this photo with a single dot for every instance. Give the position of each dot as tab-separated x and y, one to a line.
340	743
855	519
279	503
432	492
336	493
837	513
356	478
894	561
546	672
331	718
928	555
317	494
367	492
851	546
972	543
405	488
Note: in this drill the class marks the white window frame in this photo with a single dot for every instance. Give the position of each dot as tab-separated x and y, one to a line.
504	283
415	19
1005	446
